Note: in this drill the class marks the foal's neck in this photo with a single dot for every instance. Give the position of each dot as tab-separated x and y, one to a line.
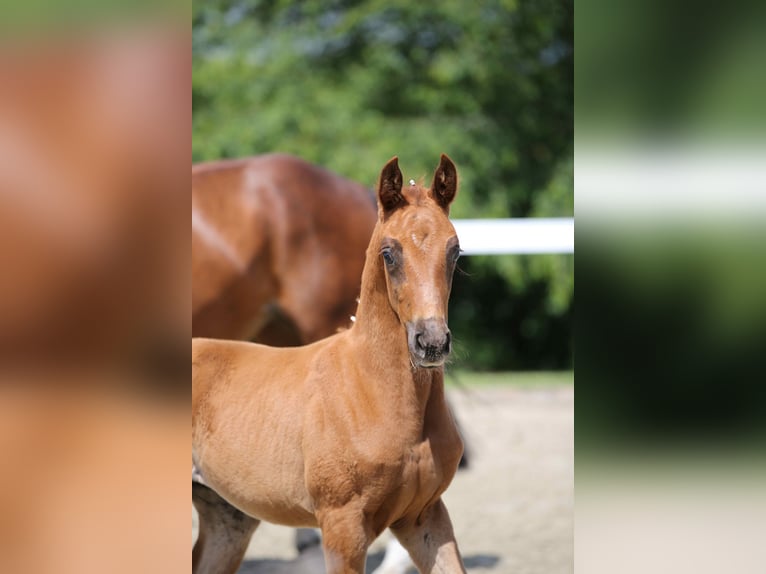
377	325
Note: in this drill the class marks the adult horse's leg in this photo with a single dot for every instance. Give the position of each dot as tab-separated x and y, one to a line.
278	330
431	543
224	533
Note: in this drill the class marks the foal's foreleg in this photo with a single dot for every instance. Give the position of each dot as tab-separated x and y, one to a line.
431	541
344	540
224	533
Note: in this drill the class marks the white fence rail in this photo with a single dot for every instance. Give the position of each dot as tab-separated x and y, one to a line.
515	236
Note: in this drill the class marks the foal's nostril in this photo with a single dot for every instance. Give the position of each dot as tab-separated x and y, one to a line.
419	341
430	341
447	344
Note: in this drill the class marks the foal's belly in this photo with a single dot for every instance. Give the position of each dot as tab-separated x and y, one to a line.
265	483
272	499
286	515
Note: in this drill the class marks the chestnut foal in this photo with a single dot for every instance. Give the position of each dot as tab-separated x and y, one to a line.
351	433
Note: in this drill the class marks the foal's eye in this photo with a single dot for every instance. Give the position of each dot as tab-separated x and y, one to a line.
388	257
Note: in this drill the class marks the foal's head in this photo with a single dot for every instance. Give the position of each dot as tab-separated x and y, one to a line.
418	249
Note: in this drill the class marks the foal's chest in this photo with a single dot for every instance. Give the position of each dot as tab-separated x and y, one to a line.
426	468
422	476
390	471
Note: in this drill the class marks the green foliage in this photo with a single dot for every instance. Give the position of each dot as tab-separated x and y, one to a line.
348	84
666	74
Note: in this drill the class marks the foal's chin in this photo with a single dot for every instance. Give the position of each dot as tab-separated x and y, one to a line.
422	363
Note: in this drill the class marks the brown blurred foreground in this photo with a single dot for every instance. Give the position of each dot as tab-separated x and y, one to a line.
94	180
94	302
92	482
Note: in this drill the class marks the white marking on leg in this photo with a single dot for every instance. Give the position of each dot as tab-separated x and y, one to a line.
333	560
396	560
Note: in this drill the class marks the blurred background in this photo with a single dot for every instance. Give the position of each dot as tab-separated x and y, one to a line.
671	318
347	85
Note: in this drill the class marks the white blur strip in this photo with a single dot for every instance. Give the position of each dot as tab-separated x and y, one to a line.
515	236
670	180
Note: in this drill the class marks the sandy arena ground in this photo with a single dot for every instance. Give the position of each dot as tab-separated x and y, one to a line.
512	509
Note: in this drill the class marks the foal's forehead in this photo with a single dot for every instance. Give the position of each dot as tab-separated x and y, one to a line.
424	225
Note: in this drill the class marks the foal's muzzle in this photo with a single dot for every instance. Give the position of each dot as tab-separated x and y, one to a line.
430	342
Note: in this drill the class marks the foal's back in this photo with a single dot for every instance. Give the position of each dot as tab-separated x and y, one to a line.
232	377
225	366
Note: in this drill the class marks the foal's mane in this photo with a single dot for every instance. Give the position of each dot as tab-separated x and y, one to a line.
415	193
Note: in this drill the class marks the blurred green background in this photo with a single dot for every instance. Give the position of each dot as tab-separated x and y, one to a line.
348	84
671	326
670	70
671	312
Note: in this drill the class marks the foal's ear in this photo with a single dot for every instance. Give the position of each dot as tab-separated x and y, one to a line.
444	187
390	187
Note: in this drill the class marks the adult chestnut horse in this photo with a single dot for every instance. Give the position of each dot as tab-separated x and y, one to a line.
277	249
351	433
